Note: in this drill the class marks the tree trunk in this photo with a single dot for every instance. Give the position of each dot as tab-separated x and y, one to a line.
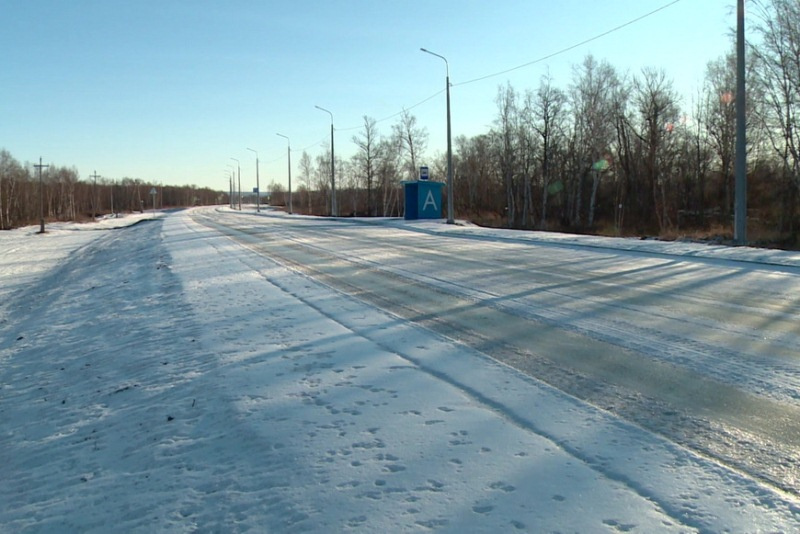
592	202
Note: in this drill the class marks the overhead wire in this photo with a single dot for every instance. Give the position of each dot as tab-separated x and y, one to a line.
506	71
571	47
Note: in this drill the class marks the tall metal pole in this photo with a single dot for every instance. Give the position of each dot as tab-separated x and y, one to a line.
239	175
450	218
258	185
289	157
334	211
740	212
41	195
94	195
232	180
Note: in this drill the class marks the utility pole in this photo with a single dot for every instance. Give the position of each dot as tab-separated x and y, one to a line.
239	171
39	167
289	155
230	186
450	219
740	211
94	196
334	208
258	185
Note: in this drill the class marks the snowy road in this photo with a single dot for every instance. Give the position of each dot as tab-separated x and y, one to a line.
704	351
227	372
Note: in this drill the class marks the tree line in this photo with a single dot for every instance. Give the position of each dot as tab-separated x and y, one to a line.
62	196
611	152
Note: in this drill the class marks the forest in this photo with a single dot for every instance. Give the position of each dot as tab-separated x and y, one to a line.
57	194
609	152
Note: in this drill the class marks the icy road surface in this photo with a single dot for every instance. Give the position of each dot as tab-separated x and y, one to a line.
223	371
699	347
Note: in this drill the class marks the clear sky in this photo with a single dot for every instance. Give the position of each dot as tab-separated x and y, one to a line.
169	90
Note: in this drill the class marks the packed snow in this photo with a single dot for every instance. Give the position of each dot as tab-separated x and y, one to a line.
156	376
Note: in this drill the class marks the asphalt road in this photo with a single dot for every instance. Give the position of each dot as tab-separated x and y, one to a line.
701	351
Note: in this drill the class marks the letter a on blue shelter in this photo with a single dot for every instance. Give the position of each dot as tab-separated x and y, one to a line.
423	200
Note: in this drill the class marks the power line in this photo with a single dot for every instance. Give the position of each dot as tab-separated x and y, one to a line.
567	49
393	115
539	60
487	76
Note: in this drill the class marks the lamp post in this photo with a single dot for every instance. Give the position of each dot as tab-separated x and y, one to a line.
333	176
232	180
230	189
258	185
450	219
239	176
289	156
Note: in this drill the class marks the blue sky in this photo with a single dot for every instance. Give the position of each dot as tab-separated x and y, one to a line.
168	91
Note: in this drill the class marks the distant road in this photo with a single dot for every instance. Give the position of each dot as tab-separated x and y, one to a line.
705	352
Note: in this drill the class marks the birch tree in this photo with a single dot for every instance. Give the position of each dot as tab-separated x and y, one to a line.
366	159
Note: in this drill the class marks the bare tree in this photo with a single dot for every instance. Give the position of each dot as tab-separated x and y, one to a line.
306	173
11	173
721	121
549	110
657	105
412	140
473	161
388	175
366	159
506	124
592	97
779	58
322	177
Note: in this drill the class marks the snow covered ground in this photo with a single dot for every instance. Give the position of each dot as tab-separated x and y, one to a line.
163	378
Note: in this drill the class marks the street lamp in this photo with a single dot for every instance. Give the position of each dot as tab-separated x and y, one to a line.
289	155
258	186
333	176
230	188
239	176
450	219
231	180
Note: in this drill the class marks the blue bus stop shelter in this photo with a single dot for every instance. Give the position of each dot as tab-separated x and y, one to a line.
423	200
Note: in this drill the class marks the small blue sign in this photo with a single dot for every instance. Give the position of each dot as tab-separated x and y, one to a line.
423	173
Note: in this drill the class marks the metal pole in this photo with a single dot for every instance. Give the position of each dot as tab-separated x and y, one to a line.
289	157
450	218
94	196
740	212
41	195
239	175
333	175
258	185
